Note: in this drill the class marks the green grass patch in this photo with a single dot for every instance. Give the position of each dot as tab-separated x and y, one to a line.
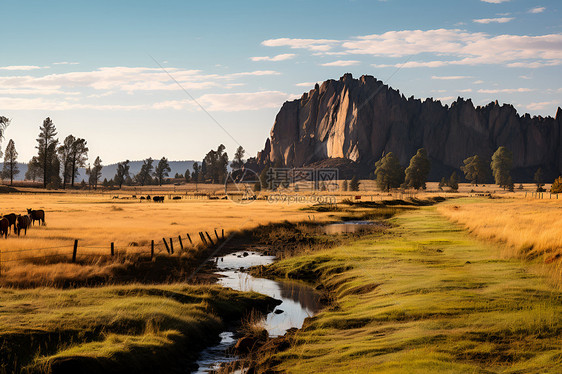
115	328
425	297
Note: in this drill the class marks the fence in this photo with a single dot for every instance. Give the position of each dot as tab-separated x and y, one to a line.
165	246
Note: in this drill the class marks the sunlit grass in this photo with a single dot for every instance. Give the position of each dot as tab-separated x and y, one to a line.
425	298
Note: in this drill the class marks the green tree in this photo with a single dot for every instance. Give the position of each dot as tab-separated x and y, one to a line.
144	176
162	170
388	172
122	173
238	160
344	185
354	184
215	164
65	151
4	122
454	181
538	180
95	173
34	170
187	175
47	147
77	158
417	171
10	162
475	170
264	182
502	162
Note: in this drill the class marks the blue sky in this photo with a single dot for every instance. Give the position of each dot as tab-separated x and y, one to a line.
94	66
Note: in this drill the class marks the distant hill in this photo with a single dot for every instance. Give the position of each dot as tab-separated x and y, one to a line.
109	171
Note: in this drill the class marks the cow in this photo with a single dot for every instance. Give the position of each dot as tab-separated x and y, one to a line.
148	197
37	215
23	223
4	226
12	219
158	199
177	197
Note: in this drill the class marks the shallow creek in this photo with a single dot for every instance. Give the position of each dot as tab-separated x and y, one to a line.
299	301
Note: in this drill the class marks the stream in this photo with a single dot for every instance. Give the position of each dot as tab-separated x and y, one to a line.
298	301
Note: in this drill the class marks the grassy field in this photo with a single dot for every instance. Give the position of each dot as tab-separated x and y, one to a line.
529	228
424	297
115	328
98	220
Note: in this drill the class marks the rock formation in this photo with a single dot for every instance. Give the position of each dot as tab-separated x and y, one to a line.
361	119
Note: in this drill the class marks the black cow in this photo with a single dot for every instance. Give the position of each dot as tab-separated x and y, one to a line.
12	219
4	225
37	215
158	199
23	223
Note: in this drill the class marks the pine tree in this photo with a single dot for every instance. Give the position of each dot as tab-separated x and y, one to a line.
47	146
162	170
502	161
417	171
10	162
388	172
354	184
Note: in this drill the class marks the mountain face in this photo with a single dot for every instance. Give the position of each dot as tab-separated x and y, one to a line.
362	119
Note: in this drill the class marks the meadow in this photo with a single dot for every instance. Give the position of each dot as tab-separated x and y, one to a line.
424	297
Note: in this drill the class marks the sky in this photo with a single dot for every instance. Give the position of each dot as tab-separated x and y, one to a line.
177	78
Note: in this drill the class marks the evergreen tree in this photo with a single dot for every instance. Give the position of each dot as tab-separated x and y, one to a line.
215	164
10	162
454	181
344	185
34	170
354	184
389	173
475	170
95	173
47	146
538	179
78	157
556	186
65	151
122	173
502	162
144	175
238	160
162	170
417	171
4	122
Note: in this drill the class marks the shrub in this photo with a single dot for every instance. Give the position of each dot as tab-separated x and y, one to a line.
556	186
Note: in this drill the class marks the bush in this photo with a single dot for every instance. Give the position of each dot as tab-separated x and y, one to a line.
556	186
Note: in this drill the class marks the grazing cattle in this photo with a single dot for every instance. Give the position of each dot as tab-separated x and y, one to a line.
177	197
158	199
148	197
12	219
4	225
37	215
143	198
23	223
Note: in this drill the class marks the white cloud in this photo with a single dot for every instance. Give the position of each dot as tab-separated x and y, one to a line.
234	102
65	63
506	90
450	77
478	82
542	105
445	98
307	84
341	63
22	67
316	45
495	1
281	57
451	46
493	20
525	77
11	103
538	9
466	90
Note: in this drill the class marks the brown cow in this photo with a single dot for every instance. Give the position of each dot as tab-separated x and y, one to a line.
4	225
12	219
23	223
37	215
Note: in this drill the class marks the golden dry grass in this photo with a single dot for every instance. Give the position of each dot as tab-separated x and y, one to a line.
530	228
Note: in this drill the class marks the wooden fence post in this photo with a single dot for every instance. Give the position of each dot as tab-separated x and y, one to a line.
202	238
166	244
152	250
75	250
217	235
223	233
181	243
189	237
112	249
209	237
171	246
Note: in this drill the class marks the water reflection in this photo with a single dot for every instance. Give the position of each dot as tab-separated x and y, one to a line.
298	302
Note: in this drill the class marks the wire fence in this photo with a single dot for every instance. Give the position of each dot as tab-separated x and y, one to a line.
168	246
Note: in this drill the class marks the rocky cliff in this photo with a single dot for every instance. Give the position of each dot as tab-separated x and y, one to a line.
361	119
